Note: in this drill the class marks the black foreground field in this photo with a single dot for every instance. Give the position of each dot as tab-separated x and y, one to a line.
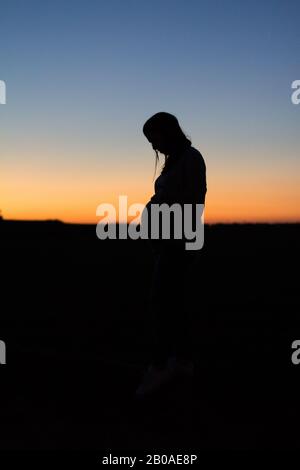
73	317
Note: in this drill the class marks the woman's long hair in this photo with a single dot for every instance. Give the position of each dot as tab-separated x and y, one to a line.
168	125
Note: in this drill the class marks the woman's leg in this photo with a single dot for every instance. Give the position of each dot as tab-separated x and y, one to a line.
169	307
159	310
182	316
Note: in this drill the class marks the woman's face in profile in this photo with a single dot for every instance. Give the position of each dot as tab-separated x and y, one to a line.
158	141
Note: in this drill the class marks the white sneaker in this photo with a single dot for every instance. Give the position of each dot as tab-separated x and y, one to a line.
155	377
181	367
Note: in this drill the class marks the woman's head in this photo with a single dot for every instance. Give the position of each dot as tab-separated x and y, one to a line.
165	134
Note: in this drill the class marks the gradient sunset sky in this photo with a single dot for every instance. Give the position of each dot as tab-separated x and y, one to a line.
82	77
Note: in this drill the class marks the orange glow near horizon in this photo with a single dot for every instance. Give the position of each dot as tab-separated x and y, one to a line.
79	210
73	197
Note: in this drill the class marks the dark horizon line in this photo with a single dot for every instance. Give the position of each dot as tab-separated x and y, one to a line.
2	220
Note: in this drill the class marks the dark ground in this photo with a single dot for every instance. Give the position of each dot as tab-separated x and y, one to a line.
73	319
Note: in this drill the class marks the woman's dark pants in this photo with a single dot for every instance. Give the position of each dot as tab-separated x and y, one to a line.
169	303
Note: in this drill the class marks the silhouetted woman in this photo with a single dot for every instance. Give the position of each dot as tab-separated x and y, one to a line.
183	181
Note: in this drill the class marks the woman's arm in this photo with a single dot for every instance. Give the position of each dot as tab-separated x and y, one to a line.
194	189
194	179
